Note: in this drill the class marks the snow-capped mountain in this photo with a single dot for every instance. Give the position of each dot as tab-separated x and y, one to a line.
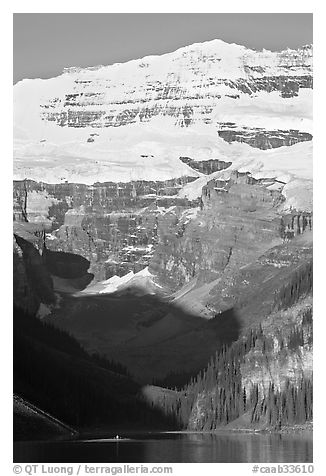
132	121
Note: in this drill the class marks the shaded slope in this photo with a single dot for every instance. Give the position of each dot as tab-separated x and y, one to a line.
52	371
148	335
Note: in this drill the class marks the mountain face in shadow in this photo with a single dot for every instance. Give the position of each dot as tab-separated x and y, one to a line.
65	265
54	372
155	335
147	334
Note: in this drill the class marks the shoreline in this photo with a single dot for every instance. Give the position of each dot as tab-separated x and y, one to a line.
107	434
295	429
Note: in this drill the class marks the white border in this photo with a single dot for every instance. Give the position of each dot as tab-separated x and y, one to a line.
167	6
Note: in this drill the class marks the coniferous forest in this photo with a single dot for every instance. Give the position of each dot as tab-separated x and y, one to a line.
216	396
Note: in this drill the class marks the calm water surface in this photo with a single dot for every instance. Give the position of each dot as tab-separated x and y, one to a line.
173	448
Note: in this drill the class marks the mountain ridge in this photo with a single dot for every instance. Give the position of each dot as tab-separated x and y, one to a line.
138	117
215	41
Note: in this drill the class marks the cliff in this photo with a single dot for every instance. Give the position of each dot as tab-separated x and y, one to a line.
112	225
239	219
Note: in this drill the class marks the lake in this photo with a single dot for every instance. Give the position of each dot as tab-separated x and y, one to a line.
172	448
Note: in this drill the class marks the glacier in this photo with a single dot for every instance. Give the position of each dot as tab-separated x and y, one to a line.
133	121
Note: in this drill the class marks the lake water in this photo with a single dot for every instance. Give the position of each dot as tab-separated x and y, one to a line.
172	448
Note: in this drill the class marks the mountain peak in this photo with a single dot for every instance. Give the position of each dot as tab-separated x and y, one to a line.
135	119
215	46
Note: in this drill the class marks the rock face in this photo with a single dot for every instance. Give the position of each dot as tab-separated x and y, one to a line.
238	221
289	362
260	138
114	226
206	167
71	111
125	227
185	85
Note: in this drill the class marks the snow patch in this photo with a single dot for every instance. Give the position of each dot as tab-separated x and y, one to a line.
143	280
